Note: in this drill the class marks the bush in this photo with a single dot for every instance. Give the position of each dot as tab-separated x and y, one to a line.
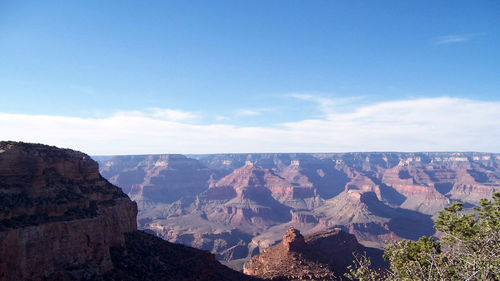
469	249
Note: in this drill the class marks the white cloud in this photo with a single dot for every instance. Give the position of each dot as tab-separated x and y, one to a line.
433	124
326	105
247	112
174	115
160	113
252	112
449	39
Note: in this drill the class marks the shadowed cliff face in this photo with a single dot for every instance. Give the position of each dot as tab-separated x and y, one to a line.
246	201
60	220
58	216
146	257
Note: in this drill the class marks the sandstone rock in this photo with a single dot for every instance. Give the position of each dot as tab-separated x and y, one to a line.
293	240
58	216
322	256
60	220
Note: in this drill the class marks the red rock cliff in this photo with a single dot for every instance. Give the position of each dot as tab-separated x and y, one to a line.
58	216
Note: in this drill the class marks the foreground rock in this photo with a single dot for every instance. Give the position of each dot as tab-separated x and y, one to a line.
322	256
60	220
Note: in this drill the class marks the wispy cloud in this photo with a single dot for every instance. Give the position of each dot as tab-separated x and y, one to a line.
221	118
161	114
433	124
247	112
172	114
450	39
325	105
251	112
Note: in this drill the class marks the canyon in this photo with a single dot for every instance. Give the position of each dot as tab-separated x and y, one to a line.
272	216
237	205
61	220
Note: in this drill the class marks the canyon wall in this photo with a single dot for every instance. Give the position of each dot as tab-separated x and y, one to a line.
61	220
235	205
58	216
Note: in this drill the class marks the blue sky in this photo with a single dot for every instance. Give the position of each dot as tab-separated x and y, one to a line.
243	76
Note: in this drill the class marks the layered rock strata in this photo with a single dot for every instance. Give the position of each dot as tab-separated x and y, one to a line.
58	216
60	220
235	205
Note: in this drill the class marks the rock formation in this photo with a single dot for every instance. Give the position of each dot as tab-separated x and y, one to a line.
157	178
322	256
58	216
60	220
237	204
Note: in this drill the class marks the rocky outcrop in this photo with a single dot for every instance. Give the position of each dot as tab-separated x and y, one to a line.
58	216
321	256
60	220
293	240
289	260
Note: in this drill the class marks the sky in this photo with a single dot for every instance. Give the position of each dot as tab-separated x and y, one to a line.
141	77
